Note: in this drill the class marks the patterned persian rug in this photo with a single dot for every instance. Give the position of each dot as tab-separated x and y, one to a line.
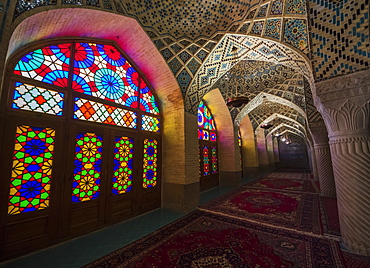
203	239
356	261
290	176
283	184
330	218
299	211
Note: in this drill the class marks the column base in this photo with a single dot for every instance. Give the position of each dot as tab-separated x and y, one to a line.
182	198
230	178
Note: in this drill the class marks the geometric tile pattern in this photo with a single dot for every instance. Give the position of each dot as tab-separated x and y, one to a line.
276	7
312	114
257	28
296	7
273	28
262	11
339	37
23	6
295	34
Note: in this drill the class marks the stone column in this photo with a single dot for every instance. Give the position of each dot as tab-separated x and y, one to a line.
323	158
345	105
276	150
270	149
261	147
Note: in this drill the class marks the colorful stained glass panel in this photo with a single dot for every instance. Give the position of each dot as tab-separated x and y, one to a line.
205	160
214	160
32	169
150	123
203	134
147	99
48	64
123	165
88	158
150	163
101	113
205	118
102	71
212	136
37	99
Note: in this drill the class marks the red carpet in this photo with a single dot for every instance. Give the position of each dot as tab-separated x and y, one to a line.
356	261
330	218
298	211
204	239
283	184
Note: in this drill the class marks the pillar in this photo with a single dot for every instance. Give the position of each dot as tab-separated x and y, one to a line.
345	105
323	159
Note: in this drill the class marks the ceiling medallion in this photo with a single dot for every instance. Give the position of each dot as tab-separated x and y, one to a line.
237	101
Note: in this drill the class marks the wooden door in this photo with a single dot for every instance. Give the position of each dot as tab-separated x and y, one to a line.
32	172
85	190
209	177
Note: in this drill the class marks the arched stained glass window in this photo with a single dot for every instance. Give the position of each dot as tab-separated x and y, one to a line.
97	70
206	124
102	86
208	157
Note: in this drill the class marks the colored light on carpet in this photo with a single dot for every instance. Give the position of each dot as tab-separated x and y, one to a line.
204	239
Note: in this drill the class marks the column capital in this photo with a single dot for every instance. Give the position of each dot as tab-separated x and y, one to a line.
346	87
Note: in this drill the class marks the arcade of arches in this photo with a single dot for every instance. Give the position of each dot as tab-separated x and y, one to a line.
110	109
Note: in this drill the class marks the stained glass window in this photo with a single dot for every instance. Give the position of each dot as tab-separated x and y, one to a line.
150	163
88	157
150	123
123	165
37	99
205	118
239	139
205	160
101	113
48	64
147	99
212	136
203	134
101	71
214	159
32	169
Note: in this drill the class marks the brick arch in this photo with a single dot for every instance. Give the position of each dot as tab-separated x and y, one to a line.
224	57
132	39
229	152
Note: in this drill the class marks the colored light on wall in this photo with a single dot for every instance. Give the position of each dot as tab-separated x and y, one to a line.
150	163
103	113
123	165
37	99
150	123
88	157
32	169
